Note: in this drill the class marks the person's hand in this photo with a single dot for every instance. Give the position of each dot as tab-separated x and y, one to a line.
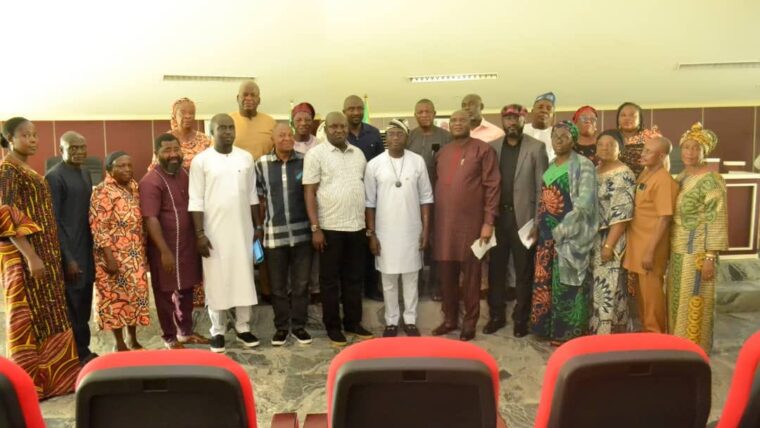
204	246
647	262
708	270
36	266
485	233
607	254
72	271
318	241
424	241
167	261
374	246
112	267
259	234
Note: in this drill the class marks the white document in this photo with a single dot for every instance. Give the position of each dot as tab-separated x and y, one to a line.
481	250
524	234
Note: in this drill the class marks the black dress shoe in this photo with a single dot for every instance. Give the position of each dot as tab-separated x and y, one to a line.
494	325
520	330
437	296
467	335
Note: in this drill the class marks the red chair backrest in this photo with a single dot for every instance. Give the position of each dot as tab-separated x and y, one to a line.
19	397
642	359
743	383
165	361
414	350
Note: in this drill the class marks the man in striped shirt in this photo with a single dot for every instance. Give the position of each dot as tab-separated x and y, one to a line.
286	234
333	181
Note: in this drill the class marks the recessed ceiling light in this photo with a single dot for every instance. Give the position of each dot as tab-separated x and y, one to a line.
452	77
723	64
202	78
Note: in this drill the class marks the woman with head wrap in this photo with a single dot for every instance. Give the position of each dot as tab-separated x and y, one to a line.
615	189
567	226
586	118
39	335
699	232
120	264
191	141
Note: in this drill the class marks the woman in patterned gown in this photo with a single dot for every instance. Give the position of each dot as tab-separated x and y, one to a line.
631	130
567	226
700	231
39	335
191	142
120	263
615	193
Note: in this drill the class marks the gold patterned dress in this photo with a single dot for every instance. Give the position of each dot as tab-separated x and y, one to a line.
700	225
39	336
116	223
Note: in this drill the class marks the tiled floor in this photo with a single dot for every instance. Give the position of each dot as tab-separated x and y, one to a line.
292	378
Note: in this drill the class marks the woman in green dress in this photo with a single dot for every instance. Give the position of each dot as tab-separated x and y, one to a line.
699	232
566	229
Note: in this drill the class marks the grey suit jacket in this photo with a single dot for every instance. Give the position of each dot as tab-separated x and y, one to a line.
531	165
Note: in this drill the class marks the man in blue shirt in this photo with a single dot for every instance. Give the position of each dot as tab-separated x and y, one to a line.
367	138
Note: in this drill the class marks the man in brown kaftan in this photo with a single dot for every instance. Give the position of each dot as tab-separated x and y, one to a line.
467	199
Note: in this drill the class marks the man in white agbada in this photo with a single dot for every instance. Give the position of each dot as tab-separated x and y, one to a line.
398	198
223	205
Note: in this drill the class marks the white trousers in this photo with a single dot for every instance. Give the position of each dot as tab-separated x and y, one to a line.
390	295
219	320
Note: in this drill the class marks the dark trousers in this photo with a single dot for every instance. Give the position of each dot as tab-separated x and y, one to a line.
174	309
509	244
448	275
341	272
371	276
79	305
293	263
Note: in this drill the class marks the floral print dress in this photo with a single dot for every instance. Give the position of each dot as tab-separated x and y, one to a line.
116	223
559	311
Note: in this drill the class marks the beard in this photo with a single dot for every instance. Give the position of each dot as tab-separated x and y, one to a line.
172	165
514	133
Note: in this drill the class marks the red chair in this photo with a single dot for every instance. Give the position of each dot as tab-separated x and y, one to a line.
626	380
410	383
19	405
742	408
178	388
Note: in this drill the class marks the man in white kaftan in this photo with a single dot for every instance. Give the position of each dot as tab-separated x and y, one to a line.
222	196
398	199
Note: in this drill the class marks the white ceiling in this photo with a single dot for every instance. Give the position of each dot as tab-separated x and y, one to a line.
99	60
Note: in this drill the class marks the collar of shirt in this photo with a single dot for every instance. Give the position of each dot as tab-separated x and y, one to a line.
349	147
272	156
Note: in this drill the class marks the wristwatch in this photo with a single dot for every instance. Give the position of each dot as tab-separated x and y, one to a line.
369	232
314	227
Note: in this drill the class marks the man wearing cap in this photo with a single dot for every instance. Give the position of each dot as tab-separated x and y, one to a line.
542	118
480	128
398	199
302	118
466	206
522	162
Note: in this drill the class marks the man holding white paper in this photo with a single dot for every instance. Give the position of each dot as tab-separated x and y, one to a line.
466	206
522	161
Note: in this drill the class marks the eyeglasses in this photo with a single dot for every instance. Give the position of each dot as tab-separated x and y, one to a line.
587	119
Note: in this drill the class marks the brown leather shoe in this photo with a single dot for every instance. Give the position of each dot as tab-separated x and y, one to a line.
467	335
193	339
443	329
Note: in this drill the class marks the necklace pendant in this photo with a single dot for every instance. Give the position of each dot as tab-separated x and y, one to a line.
398	184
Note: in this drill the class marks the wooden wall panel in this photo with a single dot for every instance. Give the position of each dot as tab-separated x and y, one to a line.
734	127
46	142
93	132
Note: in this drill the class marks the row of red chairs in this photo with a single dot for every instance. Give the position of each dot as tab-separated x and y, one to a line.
625	380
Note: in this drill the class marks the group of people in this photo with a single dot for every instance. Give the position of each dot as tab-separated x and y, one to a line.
581	220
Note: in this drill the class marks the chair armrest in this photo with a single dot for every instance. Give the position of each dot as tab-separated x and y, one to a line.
285	420
315	420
